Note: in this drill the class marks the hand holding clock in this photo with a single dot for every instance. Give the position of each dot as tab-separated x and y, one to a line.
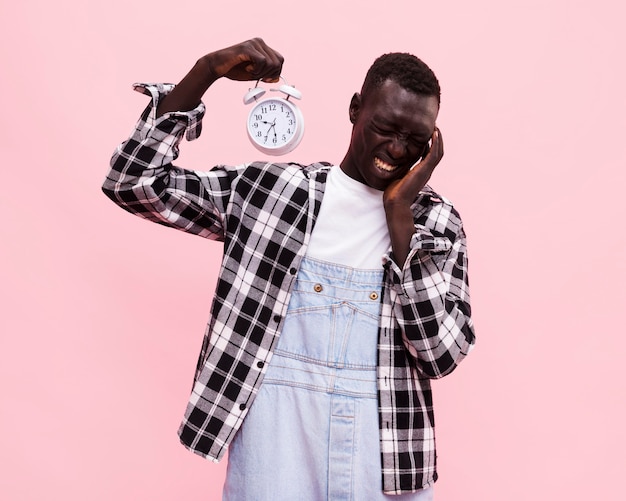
249	60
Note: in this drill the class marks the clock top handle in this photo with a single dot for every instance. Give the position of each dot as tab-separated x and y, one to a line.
290	91
256	92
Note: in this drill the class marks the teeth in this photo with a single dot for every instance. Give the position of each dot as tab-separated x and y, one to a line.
384	165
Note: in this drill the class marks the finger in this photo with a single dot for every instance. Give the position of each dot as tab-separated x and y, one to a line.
256	65
435	149
269	64
438	142
425	167
274	61
250	61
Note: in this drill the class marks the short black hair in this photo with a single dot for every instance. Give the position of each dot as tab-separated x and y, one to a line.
407	70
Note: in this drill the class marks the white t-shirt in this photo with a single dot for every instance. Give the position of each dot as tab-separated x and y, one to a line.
351	228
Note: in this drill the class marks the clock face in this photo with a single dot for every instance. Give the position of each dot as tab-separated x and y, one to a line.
275	126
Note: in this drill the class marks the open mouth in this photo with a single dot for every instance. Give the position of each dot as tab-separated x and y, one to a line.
384	165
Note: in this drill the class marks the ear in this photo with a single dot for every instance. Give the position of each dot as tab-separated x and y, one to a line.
355	107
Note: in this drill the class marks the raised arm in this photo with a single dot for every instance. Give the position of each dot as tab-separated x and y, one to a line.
142	179
400	195
431	289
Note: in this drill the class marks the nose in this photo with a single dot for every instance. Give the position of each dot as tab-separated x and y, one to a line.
397	147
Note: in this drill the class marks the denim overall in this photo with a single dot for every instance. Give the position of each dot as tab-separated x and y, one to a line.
312	432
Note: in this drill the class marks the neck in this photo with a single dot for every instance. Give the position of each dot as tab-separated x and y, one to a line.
348	167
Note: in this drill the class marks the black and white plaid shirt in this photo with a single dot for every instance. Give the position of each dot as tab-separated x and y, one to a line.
264	214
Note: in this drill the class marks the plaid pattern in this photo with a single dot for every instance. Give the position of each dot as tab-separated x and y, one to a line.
264	213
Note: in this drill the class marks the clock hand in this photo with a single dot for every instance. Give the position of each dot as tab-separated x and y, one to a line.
273	126
268	130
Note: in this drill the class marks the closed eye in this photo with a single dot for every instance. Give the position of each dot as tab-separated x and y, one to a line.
382	132
418	143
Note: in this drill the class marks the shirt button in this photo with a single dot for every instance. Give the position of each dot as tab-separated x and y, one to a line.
374	296
293	271
276	318
260	365
318	288
242	407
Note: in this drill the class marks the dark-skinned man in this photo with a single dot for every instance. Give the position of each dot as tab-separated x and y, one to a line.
343	288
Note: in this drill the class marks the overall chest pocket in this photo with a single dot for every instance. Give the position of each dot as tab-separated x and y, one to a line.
332	324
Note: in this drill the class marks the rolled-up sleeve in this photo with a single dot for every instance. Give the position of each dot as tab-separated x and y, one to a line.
143	181
430	296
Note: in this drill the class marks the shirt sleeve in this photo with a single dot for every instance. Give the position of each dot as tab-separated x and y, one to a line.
143	181
430	294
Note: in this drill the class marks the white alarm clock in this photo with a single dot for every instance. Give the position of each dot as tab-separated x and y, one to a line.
275	125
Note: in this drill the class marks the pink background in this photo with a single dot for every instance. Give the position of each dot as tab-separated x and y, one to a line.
103	314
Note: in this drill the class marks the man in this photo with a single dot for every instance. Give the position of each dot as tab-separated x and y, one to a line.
283	223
